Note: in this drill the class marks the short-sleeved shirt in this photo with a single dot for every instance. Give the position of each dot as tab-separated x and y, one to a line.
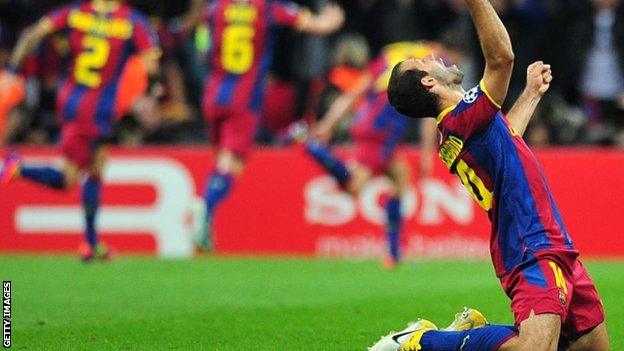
500	172
242	49
100	45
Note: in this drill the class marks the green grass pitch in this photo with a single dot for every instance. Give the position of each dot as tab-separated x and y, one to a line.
236	303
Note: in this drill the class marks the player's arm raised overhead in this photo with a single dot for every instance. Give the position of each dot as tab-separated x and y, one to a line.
29	41
539	77
327	21
497	49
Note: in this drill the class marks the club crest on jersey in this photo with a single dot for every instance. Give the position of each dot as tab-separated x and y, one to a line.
471	95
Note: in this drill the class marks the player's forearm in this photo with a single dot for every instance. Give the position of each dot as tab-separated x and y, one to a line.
340	109
193	17
520	114
329	20
493	35
317	26
25	46
29	41
345	103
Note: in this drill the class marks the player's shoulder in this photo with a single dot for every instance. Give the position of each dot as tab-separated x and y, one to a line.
475	103
478	94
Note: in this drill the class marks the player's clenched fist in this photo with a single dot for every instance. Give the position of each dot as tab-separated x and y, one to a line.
539	76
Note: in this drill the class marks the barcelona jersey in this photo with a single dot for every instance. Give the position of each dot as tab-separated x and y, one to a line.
101	43
500	172
242	47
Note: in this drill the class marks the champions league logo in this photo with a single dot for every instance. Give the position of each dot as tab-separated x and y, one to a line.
472	95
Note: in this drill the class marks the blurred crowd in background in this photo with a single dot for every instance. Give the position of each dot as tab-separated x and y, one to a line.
582	39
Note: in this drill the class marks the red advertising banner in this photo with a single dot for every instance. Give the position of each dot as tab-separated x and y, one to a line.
284	204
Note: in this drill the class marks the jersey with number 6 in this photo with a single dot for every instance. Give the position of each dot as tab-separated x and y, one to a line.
503	176
101	43
242	49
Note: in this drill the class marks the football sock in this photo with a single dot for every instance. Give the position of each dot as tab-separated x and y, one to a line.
323	155
47	176
91	202
218	187
393	225
488	338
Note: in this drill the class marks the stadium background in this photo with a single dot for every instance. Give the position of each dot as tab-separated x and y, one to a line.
151	204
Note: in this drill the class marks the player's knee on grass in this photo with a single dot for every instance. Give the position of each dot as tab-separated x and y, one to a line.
595	340
537	333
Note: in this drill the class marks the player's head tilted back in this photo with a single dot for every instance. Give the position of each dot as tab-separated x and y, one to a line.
416	86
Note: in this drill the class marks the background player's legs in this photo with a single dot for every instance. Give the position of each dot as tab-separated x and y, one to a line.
218	187
596	340
219	184
65	177
359	175
399	174
91	190
332	164
234	133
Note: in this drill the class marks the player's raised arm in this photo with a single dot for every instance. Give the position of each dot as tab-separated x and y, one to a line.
539	77
497	49
329	20
29	41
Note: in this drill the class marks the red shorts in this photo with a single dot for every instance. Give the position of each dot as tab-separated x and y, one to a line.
232	130
79	148
374	155
559	285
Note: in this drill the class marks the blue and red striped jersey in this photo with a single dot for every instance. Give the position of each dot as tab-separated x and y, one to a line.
376	118
242	49
500	172
101	42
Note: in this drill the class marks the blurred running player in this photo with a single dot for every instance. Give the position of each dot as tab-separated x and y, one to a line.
552	294
376	132
242	34
103	34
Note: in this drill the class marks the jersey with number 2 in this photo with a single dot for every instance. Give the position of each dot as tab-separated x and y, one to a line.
242	48
101	43
503	176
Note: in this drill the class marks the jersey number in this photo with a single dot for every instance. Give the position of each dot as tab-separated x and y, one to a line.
474	185
91	60
237	52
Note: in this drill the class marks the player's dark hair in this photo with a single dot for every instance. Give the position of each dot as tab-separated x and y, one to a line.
408	96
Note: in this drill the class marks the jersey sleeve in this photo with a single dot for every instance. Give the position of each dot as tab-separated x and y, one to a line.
59	18
144	37
476	110
285	13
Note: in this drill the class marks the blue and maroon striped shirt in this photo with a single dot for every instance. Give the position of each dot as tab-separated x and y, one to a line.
503	176
101	43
